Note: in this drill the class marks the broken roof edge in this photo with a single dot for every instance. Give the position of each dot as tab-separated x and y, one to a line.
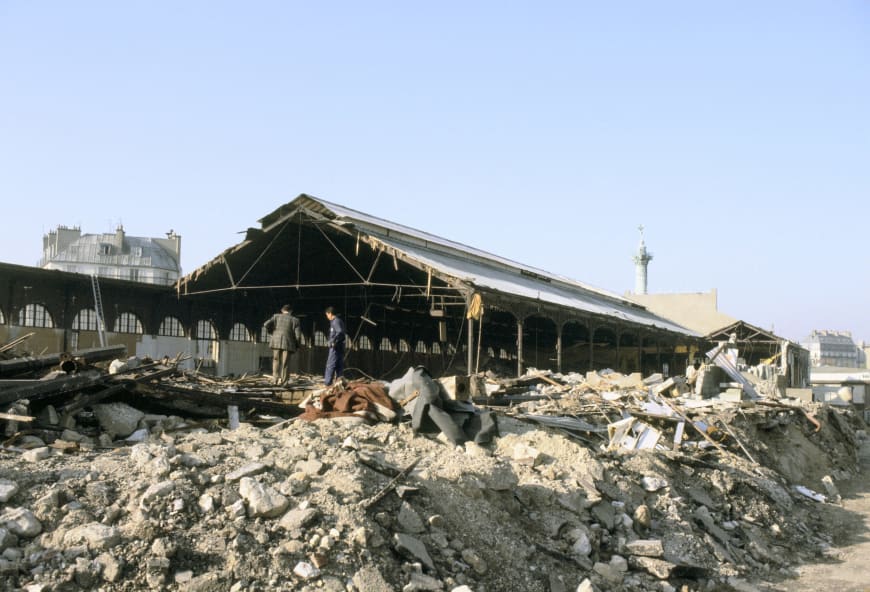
527	289
769	334
372	224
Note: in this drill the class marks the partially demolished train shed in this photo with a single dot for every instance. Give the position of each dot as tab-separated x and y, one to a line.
411	297
408	298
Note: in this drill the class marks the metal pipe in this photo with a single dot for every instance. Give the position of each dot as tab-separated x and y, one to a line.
28	364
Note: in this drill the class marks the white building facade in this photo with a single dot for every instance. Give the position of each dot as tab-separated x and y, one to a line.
833	348
113	255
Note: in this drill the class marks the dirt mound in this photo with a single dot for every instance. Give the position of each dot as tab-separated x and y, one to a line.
331	505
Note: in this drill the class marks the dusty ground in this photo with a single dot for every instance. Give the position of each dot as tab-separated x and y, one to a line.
849	567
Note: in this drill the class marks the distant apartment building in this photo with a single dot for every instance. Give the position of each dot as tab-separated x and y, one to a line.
833	348
113	255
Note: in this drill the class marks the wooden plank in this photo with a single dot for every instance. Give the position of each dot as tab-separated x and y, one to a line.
13	417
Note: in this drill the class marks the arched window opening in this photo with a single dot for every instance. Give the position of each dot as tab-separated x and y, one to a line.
171	327
240	333
35	315
85	320
128	322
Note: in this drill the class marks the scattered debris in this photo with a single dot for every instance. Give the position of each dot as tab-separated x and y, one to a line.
142	477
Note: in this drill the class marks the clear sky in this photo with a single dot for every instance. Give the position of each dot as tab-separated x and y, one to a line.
737	133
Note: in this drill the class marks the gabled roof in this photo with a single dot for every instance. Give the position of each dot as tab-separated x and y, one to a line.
460	264
748	333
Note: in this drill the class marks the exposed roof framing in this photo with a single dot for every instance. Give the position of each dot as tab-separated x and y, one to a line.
746	333
311	243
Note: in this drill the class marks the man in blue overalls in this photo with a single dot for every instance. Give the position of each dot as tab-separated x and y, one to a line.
337	334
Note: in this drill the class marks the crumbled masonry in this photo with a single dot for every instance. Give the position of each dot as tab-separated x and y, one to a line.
601	481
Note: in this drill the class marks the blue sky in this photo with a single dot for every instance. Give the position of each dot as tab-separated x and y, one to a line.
737	133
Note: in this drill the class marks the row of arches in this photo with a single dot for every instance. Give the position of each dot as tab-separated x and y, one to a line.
37	316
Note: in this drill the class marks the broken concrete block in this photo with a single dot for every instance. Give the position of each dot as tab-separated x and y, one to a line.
369	578
94	535
653	379
263	501
662	387
7	490
608	572
734	395
118	418
652	484
646	548
248	470
456	387
413	548
298	518
524	454
306	571
409	520
659	568
21	522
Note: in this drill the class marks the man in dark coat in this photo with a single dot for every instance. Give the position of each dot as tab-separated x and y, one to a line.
337	337
285	336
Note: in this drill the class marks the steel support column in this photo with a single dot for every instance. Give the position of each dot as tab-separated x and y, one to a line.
519	347
592	330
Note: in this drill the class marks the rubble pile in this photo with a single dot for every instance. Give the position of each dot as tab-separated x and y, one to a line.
588	483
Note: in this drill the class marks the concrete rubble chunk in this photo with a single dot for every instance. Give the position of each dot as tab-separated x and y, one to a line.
646	547
95	535
306	571
7	539
422	583
8	488
582	546
653	484
249	470
472	558
110	567
263	501
298	518
119	419
659	568
310	467
409	520
612	575
35	455
20	522
413	548
524	454
369	578
155	492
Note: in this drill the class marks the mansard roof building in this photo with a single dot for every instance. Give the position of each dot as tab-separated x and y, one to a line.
113	255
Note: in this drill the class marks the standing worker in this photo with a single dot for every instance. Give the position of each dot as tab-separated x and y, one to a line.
285	336
337	333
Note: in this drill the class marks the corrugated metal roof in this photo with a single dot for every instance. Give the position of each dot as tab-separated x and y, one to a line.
484	270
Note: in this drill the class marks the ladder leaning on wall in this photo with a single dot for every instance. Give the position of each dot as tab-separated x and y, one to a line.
98	307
